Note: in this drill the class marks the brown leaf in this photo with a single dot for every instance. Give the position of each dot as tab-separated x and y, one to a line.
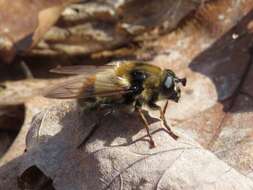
93	26
213	120
118	155
23	23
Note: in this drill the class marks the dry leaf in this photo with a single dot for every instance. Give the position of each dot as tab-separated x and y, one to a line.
23	23
213	120
93	26
118	156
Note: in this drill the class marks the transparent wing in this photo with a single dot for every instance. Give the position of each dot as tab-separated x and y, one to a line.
71	88
82	86
80	69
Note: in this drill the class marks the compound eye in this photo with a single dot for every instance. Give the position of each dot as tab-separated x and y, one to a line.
168	82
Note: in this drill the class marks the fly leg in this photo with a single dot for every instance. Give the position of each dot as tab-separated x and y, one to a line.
163	119
165	107
145	122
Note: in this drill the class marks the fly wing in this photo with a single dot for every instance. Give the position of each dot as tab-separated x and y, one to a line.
103	84
71	88
80	69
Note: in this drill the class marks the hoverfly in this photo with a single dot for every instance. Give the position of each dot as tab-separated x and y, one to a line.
124	84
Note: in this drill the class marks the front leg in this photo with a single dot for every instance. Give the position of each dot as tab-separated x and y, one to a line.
145	122
162	117
138	105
